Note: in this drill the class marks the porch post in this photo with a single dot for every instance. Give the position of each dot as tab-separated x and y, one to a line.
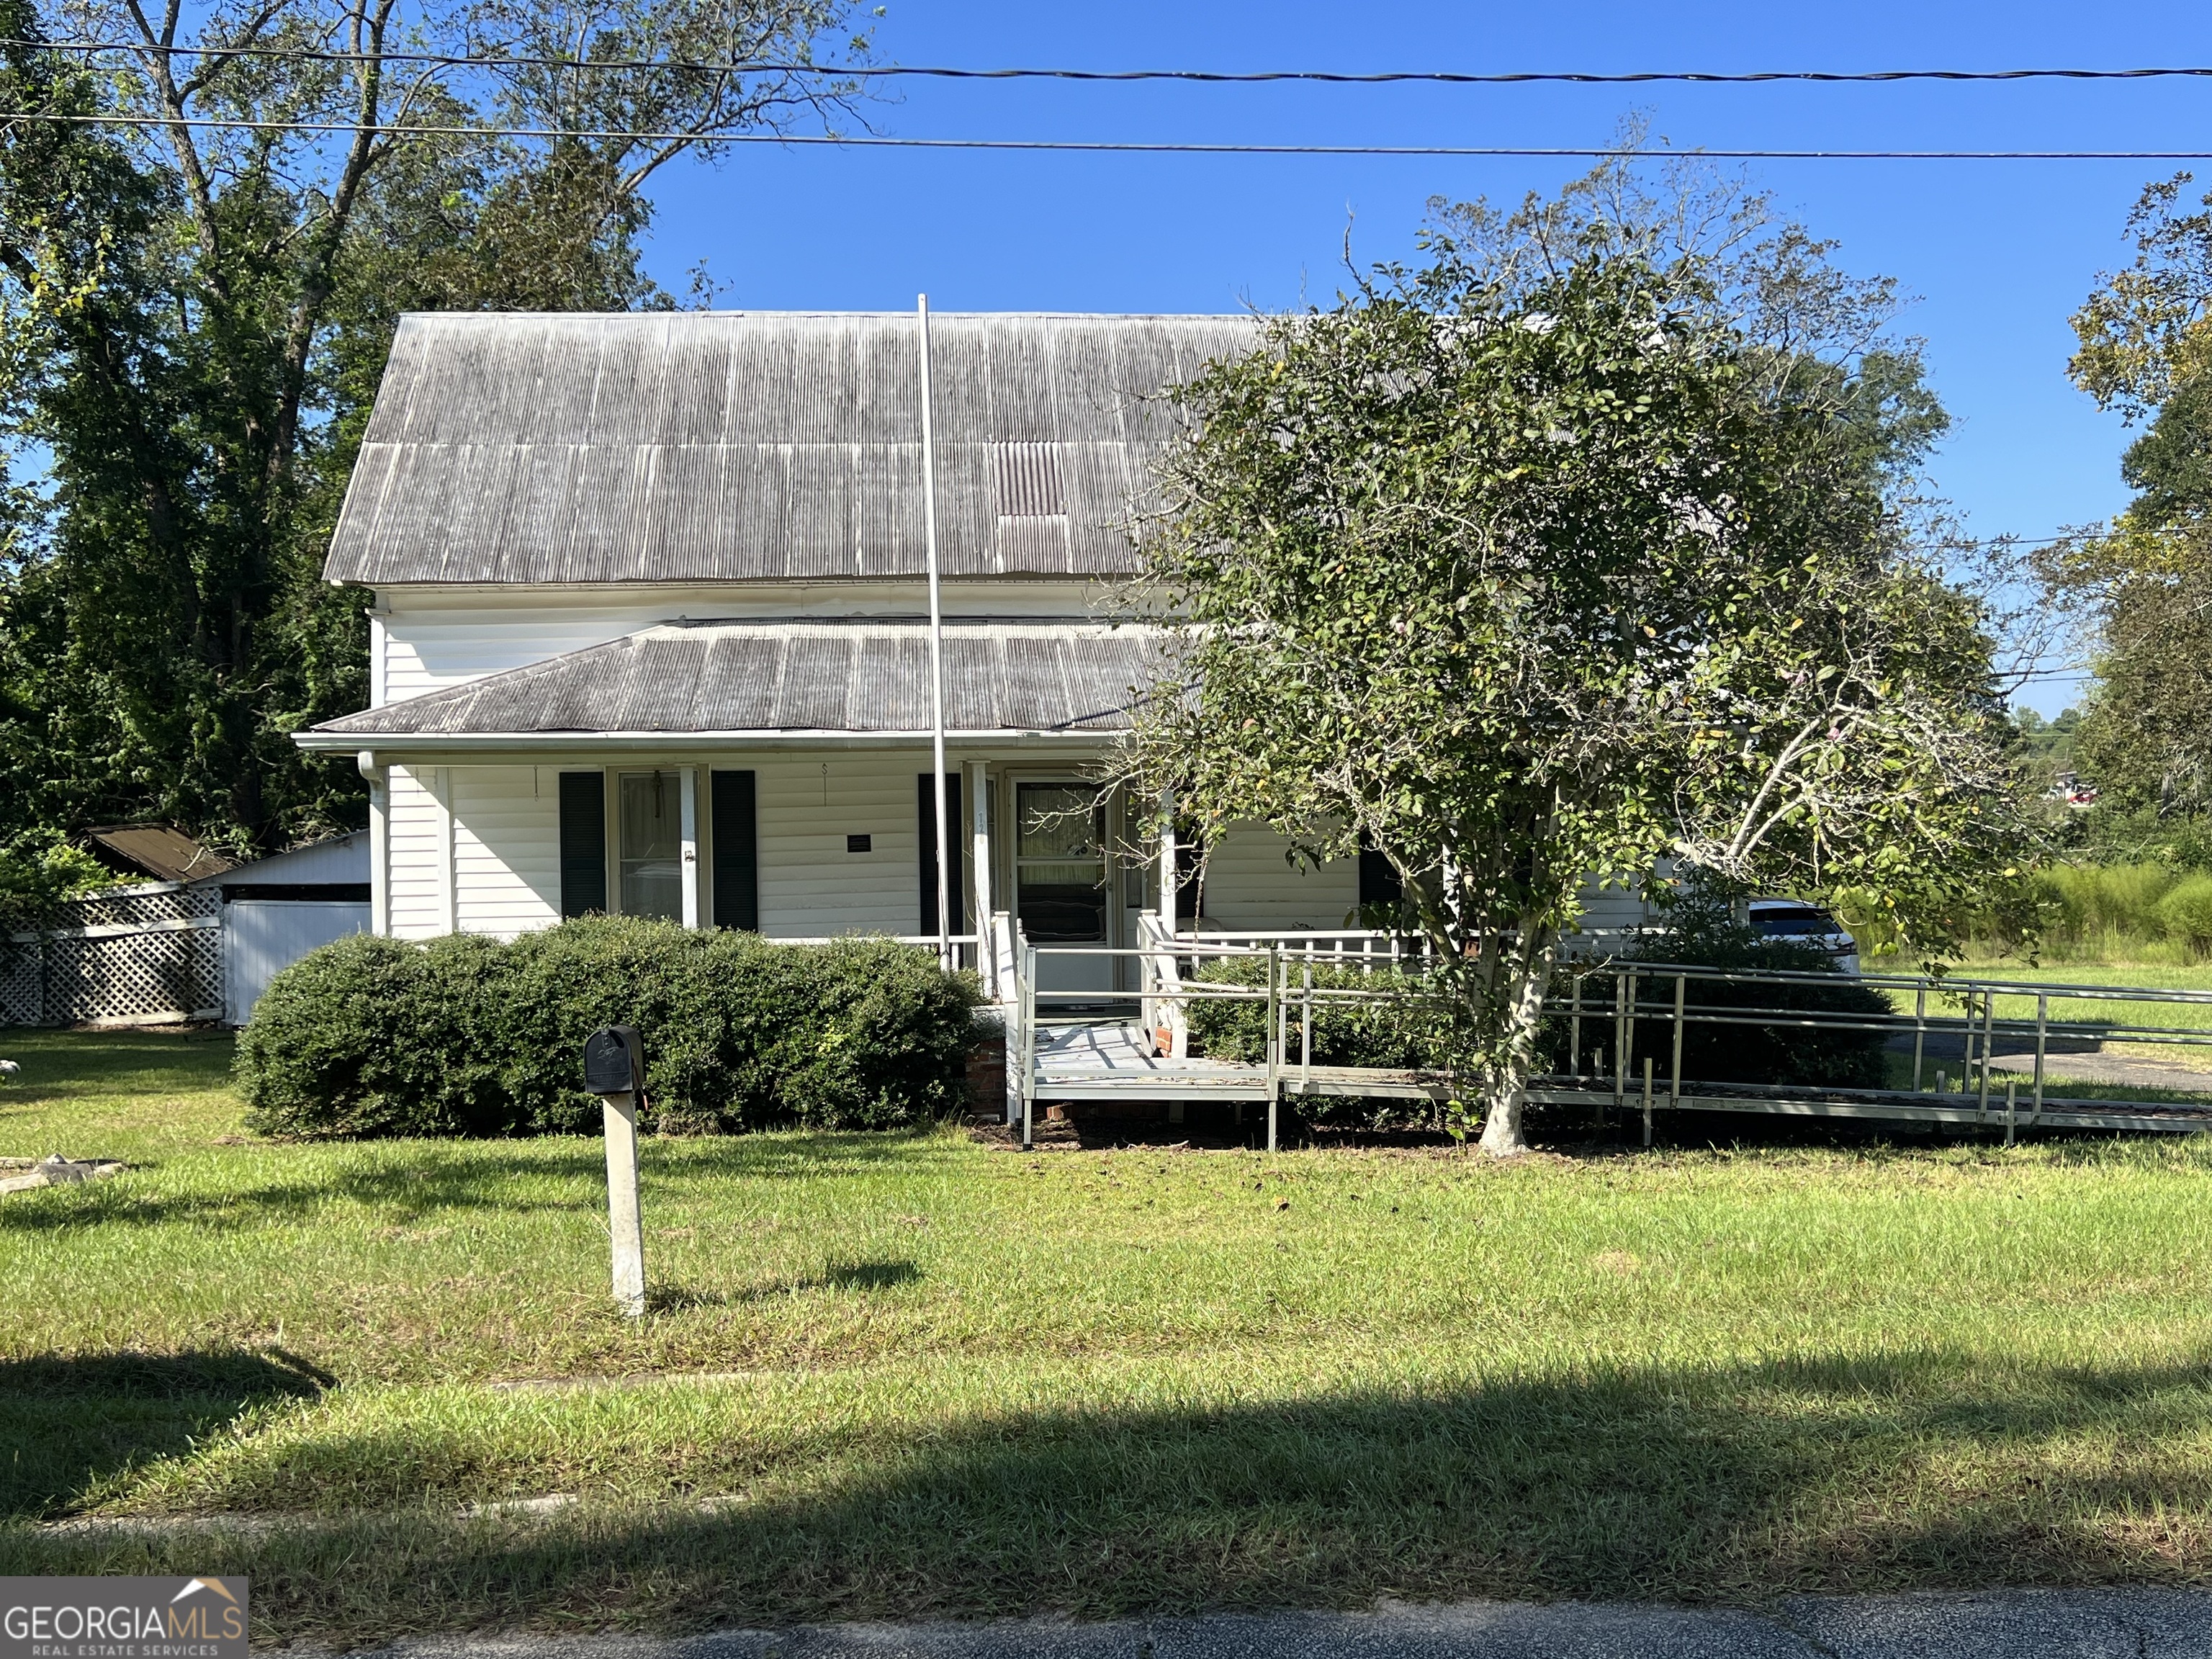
979	818
380	841
449	901
688	825
1168	894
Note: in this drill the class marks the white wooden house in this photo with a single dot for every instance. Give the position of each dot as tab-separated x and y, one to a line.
650	631
649	634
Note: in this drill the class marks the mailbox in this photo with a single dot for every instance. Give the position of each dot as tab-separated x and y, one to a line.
614	1061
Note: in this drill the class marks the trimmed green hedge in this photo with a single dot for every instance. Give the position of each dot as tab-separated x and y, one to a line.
466	1035
1791	1055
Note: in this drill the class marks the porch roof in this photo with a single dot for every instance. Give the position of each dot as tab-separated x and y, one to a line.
781	678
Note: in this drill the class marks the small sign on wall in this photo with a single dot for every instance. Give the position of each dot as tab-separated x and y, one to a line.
860	843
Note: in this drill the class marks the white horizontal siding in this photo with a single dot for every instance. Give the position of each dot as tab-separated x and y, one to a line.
1249	885
1607	908
418	850
507	830
809	884
427	653
506	848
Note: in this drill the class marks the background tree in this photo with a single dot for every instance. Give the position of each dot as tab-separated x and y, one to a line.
1587	543
193	318
2145	351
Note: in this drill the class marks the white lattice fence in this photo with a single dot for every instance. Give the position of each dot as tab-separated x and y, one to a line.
150	955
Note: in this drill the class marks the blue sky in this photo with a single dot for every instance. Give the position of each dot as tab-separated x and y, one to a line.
1999	253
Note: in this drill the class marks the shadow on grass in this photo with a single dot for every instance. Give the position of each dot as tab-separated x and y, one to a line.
409	1181
68	1065
785	1154
1705	1483
477	1177
73	1425
837	1276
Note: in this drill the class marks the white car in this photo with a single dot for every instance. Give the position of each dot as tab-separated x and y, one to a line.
1806	924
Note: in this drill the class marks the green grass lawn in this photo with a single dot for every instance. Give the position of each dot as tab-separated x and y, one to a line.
917	1375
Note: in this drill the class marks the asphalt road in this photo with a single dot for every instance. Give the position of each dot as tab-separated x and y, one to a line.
2112	1624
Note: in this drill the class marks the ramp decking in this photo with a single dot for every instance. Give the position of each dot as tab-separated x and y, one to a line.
1113	1059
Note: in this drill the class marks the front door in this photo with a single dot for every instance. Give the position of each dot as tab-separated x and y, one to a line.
1061	892
649	820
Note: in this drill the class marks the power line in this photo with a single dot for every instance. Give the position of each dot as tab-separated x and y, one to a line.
1208	77
1105	146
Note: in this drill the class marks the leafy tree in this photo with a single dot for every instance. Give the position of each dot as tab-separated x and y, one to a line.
39	872
2047	744
2145	351
193	318
1589	543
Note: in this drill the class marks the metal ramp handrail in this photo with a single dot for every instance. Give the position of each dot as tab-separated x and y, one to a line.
1624	1002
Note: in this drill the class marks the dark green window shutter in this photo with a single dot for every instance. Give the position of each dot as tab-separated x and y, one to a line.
926	816
583	842
1190	863
1379	883
736	851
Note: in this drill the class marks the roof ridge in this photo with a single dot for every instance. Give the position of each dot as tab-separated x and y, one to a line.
892	619
484	318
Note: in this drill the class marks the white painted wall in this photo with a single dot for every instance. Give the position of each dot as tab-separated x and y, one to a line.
1609	909
340	858
505	853
809	884
417	851
1249	884
506	845
430	638
506	848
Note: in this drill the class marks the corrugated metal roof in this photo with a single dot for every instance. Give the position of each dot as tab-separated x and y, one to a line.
156	850
801	675
691	445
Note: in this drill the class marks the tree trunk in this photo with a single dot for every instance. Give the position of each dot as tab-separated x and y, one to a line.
1504	1099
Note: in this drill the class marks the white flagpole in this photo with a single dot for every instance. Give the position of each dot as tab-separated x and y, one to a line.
936	653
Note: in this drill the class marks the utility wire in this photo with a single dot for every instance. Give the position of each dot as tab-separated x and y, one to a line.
1103	147
1210	77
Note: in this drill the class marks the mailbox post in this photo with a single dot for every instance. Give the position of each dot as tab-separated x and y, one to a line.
614	1070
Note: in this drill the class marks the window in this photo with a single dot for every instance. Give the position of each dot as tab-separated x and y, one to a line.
1059	863
651	841
736	851
583	843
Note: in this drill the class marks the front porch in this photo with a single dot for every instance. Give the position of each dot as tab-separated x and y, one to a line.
807	843
775	774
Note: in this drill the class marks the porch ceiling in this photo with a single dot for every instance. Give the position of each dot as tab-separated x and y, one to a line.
865	678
